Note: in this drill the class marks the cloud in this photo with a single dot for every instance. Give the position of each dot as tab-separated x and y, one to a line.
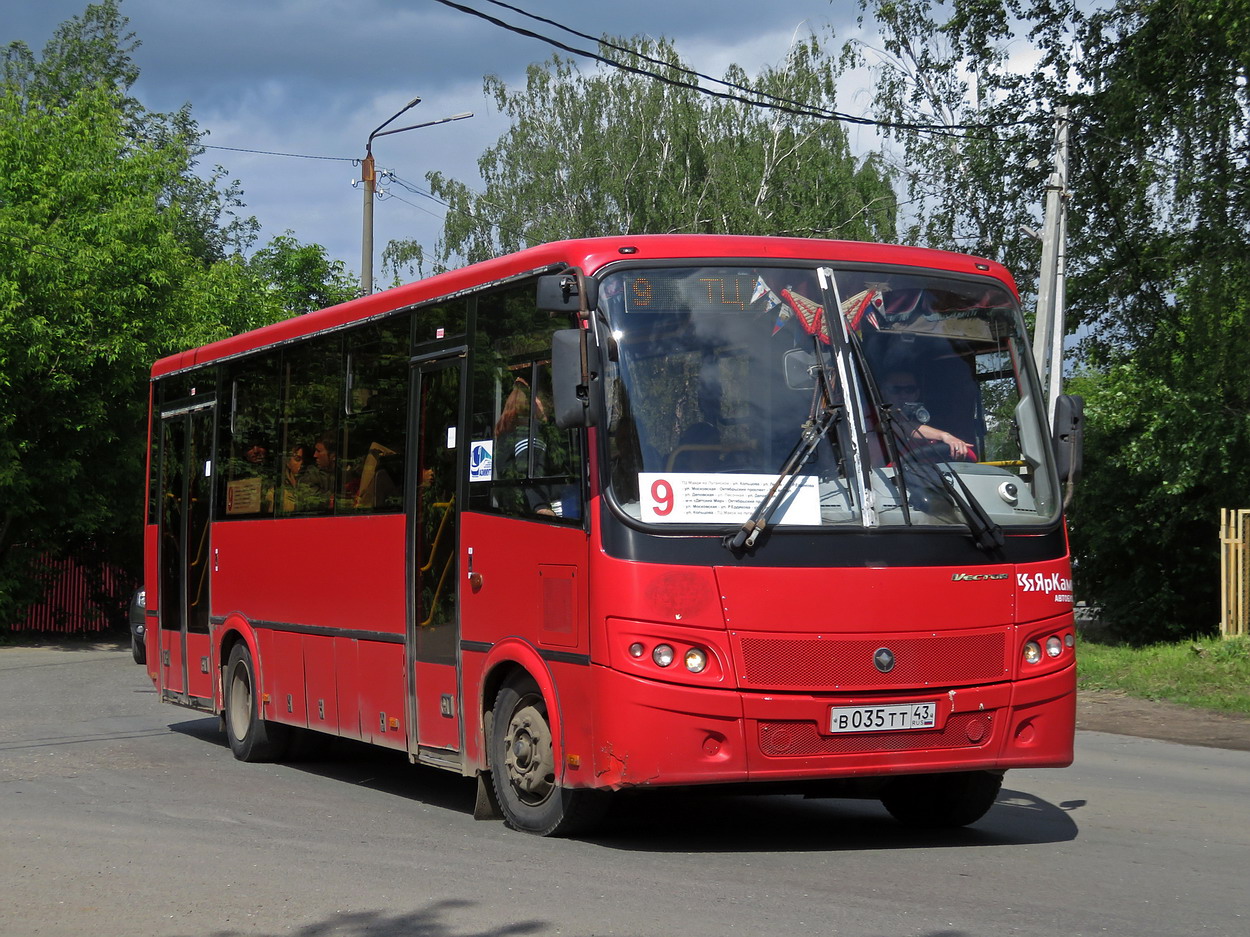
314	77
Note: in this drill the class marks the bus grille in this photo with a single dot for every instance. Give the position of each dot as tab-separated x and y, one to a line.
847	663
962	730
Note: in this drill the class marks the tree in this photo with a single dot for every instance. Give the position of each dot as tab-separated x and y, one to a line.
113	253
1164	222
974	136
1157	261
299	277
613	153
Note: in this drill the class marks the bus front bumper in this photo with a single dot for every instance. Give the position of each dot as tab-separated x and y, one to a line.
653	734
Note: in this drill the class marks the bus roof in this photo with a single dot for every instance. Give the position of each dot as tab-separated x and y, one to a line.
591	255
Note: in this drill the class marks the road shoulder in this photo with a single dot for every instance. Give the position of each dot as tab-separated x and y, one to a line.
1105	711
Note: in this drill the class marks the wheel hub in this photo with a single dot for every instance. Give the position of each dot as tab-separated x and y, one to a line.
528	755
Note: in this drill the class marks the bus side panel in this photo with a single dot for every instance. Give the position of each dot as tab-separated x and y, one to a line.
381	692
334	576
151	585
282	661
533	587
330	573
320	685
347	678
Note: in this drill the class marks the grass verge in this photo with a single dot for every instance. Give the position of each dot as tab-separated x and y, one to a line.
1212	673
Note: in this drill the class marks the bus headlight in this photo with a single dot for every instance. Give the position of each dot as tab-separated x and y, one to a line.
696	660
1054	646
663	655
1032	652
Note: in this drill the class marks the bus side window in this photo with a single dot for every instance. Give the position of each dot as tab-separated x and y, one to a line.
373	429
521	463
312	377
251	456
533	459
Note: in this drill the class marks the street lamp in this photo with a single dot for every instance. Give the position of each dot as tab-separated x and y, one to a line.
369	179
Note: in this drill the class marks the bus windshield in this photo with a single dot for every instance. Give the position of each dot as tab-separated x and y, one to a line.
733	390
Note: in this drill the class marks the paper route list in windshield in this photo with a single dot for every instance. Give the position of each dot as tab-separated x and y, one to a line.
718	498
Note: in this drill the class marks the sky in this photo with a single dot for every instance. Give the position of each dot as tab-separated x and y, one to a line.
315	77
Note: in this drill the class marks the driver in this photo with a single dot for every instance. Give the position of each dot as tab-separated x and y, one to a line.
902	391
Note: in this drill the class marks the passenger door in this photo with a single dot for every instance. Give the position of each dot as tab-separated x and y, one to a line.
184	554
434	608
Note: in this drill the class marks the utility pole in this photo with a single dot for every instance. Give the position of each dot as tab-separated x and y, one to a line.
1048	328
369	182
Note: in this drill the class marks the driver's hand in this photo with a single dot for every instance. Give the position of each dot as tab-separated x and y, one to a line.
959	449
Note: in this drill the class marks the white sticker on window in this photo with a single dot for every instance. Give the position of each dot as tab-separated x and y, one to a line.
713	498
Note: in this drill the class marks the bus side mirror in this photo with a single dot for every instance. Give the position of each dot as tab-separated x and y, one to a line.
571	395
561	292
1068	436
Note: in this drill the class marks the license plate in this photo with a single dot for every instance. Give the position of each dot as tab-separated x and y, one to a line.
882	718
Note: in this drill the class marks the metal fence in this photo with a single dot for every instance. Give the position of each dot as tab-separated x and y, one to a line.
1234	572
77	598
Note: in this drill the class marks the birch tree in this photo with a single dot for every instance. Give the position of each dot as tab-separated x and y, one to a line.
604	151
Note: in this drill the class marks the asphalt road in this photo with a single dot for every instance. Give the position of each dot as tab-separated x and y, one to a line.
123	817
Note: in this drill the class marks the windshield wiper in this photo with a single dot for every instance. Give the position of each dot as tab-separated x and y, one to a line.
814	430
987	534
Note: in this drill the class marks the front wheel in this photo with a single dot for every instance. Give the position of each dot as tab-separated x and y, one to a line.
523	768
941	801
251	737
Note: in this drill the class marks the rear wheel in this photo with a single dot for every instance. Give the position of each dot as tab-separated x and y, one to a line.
523	768
941	801
251	738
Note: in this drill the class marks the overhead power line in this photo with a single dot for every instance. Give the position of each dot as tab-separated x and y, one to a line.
240	149
773	102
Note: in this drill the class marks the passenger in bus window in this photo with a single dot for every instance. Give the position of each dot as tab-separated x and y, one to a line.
901	390
257	465
298	492
524	441
257	454
323	474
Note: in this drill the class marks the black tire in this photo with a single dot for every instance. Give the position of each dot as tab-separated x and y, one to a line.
251	738
941	801
137	650
523	768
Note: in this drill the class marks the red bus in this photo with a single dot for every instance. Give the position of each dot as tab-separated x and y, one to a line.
624	513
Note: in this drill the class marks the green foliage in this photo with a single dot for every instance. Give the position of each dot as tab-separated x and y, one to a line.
1163	228
1156	258
614	153
975	136
113	253
300	277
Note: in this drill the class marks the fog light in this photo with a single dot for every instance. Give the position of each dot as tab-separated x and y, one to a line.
636	649
696	660
1032	652
663	655
1069	639
1054	647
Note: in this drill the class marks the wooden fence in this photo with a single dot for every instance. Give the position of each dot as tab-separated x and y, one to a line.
1234	572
